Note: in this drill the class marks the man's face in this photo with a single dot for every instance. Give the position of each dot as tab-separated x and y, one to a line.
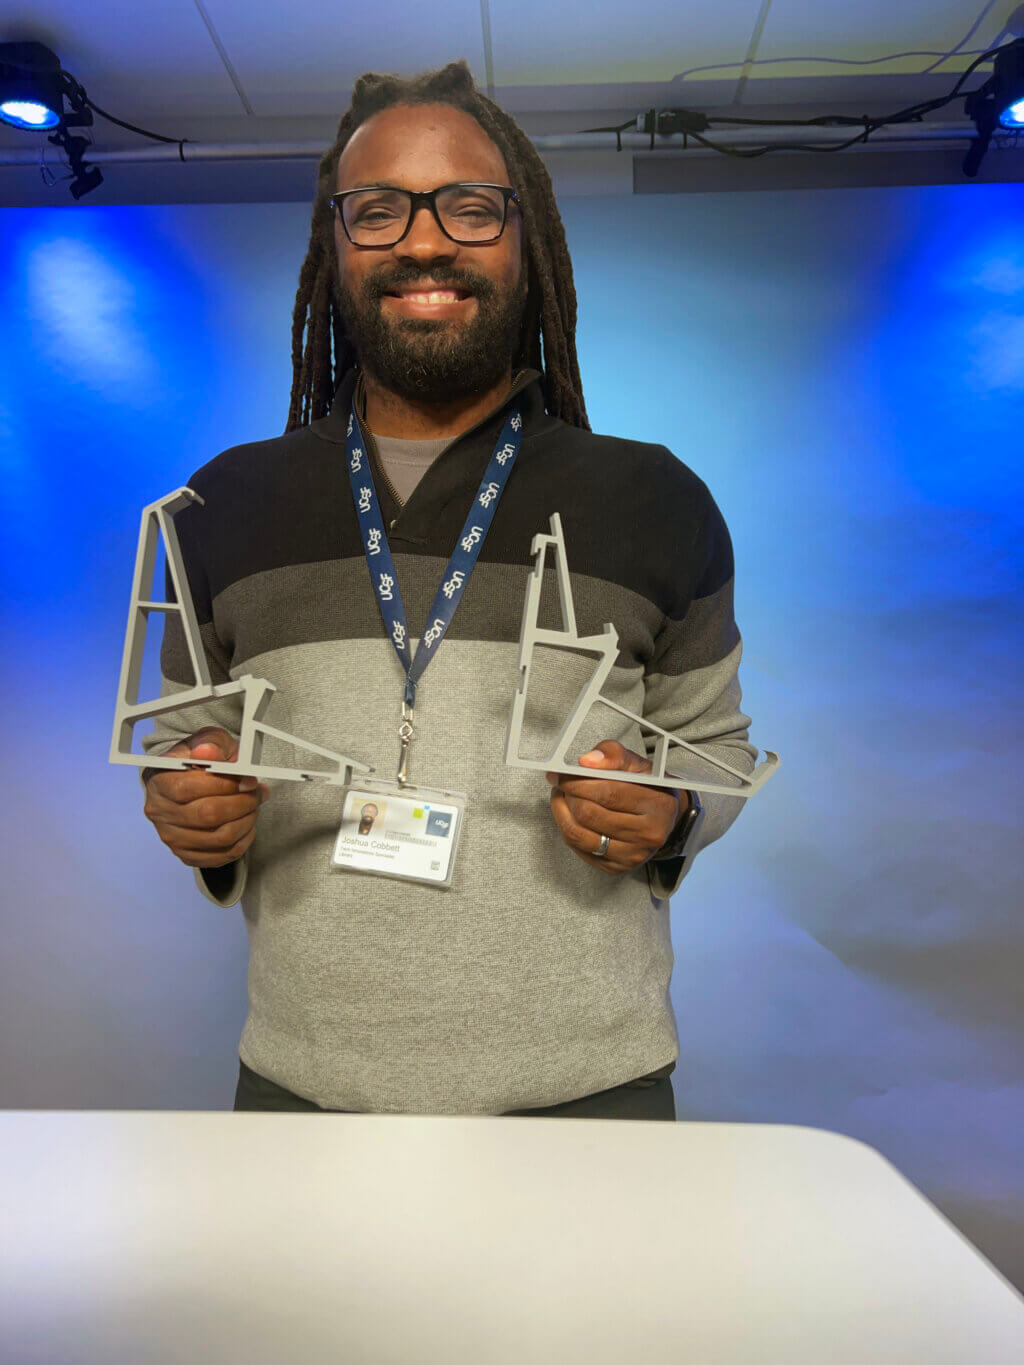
462	343
367	816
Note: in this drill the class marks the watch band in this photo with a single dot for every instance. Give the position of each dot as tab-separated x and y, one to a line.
676	844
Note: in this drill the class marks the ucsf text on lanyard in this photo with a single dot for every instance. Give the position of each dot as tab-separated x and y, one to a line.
456	575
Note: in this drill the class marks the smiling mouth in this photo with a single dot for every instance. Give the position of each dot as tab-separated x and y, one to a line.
429	297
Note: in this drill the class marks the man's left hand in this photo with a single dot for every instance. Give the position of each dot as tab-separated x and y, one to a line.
637	818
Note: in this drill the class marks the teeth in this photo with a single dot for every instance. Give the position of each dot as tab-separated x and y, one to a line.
435	296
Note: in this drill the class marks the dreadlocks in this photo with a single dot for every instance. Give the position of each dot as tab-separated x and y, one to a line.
322	353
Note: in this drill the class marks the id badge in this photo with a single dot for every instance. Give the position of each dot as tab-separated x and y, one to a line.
407	832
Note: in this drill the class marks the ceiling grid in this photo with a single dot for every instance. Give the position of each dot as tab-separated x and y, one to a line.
278	76
485	28
752	50
222	54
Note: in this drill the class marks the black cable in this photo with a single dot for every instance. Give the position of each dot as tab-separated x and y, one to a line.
853	61
157	137
913	113
910	114
783	146
916	110
965	39
618	129
78	96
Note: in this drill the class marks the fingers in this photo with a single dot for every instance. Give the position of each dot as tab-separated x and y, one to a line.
627	797
577	836
635	817
634	837
591	815
611	754
231	855
217	840
633	798
198	847
209	812
206	819
215	827
209	745
213	737
185	787
222	842
622	855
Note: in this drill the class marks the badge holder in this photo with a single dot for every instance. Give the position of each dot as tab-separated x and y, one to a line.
399	829
409	832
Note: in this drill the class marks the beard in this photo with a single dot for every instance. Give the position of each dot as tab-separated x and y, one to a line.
434	360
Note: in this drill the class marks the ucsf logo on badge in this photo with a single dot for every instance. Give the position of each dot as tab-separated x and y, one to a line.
439	823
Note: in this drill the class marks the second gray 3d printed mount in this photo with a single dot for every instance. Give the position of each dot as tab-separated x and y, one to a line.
606	646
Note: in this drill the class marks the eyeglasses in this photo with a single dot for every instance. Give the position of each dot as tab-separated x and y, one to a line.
381	215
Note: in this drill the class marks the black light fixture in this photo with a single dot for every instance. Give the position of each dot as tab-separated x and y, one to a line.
1008	85
31	88
33	91
998	104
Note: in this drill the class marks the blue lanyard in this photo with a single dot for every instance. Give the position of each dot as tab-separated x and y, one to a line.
461	564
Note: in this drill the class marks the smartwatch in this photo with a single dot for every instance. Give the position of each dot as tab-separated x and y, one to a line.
684	834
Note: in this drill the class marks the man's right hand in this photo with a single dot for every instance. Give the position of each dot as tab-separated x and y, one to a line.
205	819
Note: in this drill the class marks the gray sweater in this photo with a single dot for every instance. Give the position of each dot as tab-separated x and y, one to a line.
535	979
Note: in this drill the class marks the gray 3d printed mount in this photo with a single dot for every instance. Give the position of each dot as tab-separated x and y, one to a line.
256	693
606	645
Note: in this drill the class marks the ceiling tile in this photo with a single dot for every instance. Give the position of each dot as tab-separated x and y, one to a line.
871	29
583	42
304	58
136	61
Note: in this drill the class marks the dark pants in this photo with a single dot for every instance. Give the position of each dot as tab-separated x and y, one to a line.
640	1099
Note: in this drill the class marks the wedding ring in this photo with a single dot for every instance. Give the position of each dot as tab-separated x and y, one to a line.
602	847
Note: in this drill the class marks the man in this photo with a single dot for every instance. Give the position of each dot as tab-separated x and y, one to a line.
367	816
435	310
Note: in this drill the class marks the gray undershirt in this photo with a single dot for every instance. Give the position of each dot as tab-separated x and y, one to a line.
405	462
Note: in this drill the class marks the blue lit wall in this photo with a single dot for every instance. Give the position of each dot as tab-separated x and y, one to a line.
846	370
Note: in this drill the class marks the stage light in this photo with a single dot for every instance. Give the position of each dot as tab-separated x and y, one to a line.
33	91
998	104
1008	85
31	86
26	114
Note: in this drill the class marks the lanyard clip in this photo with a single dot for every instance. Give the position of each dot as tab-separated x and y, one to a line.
406	734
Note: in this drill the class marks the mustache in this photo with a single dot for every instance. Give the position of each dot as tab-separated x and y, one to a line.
442	277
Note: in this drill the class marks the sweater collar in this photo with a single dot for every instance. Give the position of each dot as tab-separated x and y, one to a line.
526	387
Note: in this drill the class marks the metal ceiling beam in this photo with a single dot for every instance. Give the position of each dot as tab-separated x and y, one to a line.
901	135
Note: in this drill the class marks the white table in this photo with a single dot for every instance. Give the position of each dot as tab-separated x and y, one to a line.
134	1237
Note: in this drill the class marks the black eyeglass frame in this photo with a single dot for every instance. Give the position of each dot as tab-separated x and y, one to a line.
428	197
